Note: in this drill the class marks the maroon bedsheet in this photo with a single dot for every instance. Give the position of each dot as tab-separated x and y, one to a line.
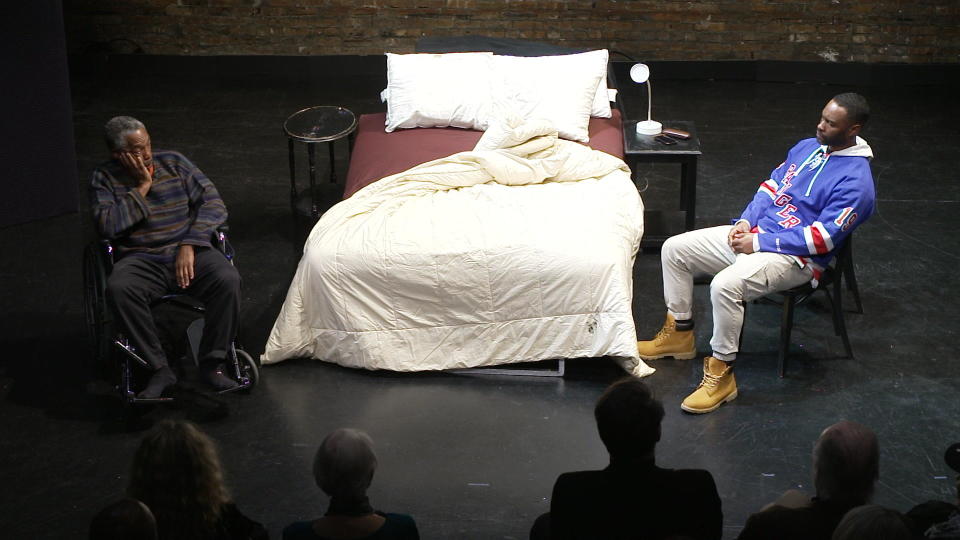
377	154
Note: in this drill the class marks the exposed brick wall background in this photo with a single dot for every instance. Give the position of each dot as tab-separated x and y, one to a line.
901	31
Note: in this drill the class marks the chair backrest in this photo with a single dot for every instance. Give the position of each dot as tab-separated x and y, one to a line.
833	275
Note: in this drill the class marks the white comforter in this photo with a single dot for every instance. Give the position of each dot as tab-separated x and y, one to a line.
487	257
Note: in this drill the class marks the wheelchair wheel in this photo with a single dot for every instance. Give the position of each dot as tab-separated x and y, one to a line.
95	304
249	368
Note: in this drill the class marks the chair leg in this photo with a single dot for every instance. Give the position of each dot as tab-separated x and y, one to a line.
839	324
851	278
833	306
786	326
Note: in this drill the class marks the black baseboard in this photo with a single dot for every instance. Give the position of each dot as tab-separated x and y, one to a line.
851	74
372	68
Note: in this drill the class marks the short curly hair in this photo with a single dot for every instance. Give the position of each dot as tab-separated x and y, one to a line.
858	110
116	129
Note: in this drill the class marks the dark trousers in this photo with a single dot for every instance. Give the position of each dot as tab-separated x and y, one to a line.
137	282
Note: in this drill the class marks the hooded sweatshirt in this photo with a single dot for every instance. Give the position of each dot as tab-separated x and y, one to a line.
812	202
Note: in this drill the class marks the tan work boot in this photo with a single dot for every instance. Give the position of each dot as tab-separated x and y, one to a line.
717	387
669	342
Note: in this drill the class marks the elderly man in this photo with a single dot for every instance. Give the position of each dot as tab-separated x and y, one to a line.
846	466
161	212
786	236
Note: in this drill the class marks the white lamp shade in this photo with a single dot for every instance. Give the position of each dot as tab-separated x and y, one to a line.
639	73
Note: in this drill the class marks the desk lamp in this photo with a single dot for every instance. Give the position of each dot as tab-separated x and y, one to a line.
640	73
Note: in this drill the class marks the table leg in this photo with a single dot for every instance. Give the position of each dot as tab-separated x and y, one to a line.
632	163
333	168
311	156
688	191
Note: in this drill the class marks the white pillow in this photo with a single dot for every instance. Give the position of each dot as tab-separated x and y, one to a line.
604	96
562	89
438	90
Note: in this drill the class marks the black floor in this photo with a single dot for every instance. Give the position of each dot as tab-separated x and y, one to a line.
475	457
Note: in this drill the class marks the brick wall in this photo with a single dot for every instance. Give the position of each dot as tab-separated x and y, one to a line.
901	31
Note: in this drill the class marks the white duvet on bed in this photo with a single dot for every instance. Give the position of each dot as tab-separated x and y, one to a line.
481	258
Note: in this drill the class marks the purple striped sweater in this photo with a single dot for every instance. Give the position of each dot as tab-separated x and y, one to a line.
182	207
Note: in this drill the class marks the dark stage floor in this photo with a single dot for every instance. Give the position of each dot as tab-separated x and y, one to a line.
475	457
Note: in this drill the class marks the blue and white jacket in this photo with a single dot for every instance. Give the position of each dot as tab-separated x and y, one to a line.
812	201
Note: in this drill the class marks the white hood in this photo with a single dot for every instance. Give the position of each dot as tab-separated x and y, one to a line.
860	149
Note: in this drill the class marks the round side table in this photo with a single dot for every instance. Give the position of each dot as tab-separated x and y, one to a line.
322	124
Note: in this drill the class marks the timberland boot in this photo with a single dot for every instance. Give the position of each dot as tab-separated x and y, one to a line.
669	341
717	387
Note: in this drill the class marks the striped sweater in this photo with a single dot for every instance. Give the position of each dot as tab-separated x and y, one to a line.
182	207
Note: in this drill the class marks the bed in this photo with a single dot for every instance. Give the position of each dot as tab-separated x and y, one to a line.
472	235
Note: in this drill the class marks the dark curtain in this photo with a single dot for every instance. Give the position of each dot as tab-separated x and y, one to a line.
38	166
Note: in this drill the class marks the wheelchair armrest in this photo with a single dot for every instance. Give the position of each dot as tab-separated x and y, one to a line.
107	253
222	243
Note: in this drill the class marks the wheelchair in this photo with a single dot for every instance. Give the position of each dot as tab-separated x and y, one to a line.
111	349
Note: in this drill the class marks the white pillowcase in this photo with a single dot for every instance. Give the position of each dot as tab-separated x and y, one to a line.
438	90
562	89
470	90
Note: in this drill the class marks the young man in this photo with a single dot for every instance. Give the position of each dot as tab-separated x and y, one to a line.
786	236
161	212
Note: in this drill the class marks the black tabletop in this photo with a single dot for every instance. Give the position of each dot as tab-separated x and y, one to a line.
634	143
320	124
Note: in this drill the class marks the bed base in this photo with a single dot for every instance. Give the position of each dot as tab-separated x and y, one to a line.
519	372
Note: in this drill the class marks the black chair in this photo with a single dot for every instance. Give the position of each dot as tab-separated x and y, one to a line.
830	283
110	347
850	277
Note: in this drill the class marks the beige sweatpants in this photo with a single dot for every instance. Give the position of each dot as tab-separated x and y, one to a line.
737	278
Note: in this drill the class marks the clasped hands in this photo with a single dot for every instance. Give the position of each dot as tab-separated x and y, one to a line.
740	238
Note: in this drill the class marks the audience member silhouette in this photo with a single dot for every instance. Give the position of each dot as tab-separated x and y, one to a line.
845	468
176	472
126	519
632	497
343	468
872	522
939	519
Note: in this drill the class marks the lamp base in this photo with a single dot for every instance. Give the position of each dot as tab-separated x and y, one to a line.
649	127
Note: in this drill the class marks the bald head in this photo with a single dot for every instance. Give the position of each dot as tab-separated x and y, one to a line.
846	463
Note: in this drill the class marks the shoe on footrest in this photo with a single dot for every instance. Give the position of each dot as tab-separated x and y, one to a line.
669	341
161	379
215	377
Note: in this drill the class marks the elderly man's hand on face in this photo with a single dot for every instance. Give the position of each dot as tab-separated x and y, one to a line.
137	170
